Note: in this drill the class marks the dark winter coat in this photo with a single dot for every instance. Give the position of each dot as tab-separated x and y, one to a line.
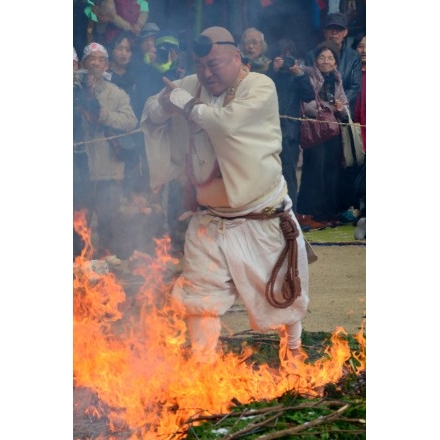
291	91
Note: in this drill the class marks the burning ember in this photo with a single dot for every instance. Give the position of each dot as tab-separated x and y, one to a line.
133	372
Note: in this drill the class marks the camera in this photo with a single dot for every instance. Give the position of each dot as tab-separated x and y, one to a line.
289	62
331	98
162	55
80	78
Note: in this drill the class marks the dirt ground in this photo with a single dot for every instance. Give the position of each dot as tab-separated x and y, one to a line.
337	292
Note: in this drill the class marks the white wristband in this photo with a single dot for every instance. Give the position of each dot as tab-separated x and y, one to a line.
180	97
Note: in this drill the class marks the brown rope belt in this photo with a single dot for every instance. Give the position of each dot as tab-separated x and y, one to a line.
291	288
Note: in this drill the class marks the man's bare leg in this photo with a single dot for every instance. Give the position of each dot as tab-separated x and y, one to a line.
204	334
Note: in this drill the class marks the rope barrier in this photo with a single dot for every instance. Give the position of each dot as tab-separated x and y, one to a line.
138	130
326	122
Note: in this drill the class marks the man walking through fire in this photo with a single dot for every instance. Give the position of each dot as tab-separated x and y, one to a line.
243	238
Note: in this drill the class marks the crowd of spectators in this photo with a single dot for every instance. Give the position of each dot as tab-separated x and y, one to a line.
121	61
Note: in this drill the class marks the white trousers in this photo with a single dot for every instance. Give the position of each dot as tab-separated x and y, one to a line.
224	259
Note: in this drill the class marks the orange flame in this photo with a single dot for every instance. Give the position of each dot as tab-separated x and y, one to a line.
137	361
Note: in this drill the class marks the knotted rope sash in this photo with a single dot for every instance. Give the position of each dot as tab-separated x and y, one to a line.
291	288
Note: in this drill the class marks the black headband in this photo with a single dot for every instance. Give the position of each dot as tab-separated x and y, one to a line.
203	45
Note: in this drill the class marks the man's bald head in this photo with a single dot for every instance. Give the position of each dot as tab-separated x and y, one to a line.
213	36
217	33
217	59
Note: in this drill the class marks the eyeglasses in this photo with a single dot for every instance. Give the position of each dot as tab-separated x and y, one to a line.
203	45
252	43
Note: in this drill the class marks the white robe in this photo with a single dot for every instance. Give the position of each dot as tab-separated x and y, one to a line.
225	258
245	137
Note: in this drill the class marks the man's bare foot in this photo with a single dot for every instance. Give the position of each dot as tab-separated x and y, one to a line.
293	357
298	354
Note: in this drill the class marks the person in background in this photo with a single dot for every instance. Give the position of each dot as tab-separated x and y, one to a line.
81	179
253	49
120	70
226	120
121	74
360	112
166	64
351	206
318	192
360	115
157	56
99	14
75	61
349	66
148	80
145	51
293	86
80	25
167	47
116	16
105	107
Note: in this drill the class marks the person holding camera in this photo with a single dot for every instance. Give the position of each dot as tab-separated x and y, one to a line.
318	191
167	49
167	65
104	106
293	86
149	82
164	63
